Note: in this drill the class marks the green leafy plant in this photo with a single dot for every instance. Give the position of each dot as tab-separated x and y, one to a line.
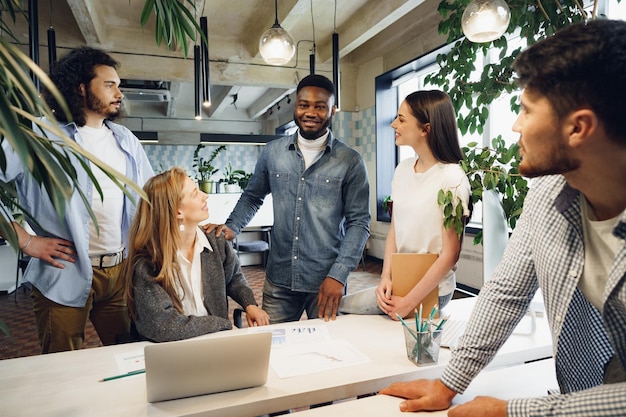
532	20
204	167
388	205
232	176
494	168
174	22
244	180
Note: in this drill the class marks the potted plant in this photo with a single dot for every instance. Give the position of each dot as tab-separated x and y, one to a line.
231	179
243	181
388	205
205	168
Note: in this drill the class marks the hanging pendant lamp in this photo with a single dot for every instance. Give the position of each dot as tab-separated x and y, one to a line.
276	45
52	42
485	20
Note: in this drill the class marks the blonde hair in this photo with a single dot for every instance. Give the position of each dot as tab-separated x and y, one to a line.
155	236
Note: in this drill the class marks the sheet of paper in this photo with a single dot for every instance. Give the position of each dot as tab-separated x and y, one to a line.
289	360
291	335
130	361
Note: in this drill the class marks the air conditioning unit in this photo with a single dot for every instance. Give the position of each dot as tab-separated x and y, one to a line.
143	94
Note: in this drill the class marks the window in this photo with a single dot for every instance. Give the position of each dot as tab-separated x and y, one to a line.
393	86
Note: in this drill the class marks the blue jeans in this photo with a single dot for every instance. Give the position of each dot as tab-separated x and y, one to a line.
284	305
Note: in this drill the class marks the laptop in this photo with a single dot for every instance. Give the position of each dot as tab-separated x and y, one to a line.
201	366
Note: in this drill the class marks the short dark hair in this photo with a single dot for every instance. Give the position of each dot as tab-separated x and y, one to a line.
316	80
73	69
583	65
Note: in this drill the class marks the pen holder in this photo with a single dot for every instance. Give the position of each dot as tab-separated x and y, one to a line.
422	348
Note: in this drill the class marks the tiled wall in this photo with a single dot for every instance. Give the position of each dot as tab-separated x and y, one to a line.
355	128
163	157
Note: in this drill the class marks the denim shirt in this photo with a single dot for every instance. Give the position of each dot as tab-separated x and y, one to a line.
71	285
321	214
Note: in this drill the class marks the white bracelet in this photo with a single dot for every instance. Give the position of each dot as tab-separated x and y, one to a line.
30	238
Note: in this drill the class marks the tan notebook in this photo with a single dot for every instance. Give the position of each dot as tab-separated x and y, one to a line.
407	269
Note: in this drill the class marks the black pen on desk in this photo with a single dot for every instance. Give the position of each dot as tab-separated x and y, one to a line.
131	373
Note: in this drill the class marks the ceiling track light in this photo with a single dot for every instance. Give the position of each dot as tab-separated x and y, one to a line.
52	43
206	76
336	79
197	69
336	74
33	37
485	20
276	44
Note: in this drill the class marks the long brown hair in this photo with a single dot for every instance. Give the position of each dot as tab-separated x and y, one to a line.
435	107
155	236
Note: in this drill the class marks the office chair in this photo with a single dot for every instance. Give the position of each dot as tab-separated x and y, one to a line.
254	246
237	320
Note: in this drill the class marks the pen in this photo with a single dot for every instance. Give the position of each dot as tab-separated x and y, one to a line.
110	378
419	323
433	312
442	322
406	325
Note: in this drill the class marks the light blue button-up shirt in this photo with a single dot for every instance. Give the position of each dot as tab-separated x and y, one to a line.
70	286
321	214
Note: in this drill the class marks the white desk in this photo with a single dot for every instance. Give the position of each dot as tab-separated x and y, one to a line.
520	381
66	384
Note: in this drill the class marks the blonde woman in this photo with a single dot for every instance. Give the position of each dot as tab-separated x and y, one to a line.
177	277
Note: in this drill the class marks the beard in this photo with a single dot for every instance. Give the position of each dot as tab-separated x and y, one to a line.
560	162
308	133
98	106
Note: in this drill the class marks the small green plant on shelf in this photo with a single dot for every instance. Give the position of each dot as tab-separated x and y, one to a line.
204	167
244	180
388	205
232	176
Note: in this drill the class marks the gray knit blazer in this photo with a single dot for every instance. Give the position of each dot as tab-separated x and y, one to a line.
158	320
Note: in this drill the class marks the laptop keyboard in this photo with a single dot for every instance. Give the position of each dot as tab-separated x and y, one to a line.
452	330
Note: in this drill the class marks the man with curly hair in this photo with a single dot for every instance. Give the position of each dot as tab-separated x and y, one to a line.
75	264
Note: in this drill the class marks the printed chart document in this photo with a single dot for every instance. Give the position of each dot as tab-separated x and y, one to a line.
130	361
305	349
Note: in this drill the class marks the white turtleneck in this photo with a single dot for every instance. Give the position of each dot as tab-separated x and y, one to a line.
312	150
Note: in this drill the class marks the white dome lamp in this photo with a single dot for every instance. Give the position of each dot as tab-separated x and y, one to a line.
485	20
276	45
